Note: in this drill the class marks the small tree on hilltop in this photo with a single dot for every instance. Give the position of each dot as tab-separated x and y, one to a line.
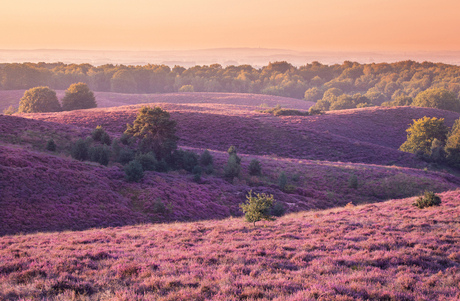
78	96
421	134
257	207
154	127
39	99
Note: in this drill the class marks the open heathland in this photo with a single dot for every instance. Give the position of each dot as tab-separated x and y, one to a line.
352	232
384	251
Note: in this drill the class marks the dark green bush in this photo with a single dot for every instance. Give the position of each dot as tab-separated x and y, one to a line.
209	169
427	200
116	148
206	158
233	167
314	111
97	133
181	159
148	161
105	139
282	181
125	139
353	182
278	111
278	209
159	206
79	150
51	145
100	154
255	169
126	155
162	166
134	171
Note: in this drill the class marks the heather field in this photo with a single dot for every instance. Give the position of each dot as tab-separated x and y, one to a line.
216	126
384	251
72	230
110	99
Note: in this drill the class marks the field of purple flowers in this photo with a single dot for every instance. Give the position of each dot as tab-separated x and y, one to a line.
373	137
109	99
383	251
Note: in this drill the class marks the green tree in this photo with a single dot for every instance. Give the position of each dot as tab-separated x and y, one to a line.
313	94
257	207
39	99
439	99
123	82
422	132
233	167
78	96
452	147
154	127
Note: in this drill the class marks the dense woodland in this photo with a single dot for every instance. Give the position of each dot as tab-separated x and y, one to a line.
356	84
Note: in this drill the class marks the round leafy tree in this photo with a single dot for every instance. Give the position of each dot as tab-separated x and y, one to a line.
157	131
421	134
78	96
437	98
39	99
123	82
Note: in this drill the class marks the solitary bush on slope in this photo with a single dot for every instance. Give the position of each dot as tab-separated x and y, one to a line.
51	145
134	171
78	96
79	150
96	134
429	199
257	207
255	169
278	209
39	99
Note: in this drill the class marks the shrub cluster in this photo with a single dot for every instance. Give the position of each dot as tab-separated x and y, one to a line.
429	199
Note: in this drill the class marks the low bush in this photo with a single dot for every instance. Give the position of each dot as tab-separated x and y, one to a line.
97	133
429	199
257	207
134	171
353	182
282	181
206	158
125	156
278	111
162	166
278	209
51	145
148	161
99	154
79	150
255	169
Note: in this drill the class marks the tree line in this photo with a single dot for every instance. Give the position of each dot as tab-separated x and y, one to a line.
356	84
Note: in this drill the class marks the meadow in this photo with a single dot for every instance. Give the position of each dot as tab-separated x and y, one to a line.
72	230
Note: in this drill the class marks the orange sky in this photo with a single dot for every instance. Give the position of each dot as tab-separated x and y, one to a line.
332	25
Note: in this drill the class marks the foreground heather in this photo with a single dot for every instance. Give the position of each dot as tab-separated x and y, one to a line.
385	251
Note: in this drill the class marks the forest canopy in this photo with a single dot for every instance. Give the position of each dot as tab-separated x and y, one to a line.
337	86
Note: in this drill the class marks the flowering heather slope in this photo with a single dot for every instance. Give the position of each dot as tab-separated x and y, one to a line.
217	126
45	192
385	251
109	99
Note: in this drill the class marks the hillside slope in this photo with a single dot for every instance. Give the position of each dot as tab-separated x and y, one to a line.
109	99
386	251
360	135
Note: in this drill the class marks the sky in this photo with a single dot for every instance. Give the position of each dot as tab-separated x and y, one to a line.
307	25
